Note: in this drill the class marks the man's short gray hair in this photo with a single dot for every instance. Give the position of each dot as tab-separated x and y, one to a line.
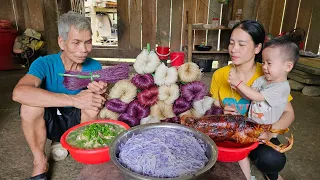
80	22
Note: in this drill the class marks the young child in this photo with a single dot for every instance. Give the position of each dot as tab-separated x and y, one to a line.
269	93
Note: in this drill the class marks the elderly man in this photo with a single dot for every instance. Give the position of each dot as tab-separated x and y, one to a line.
48	109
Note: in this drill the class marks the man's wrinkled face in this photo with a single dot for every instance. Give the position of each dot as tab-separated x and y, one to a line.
77	46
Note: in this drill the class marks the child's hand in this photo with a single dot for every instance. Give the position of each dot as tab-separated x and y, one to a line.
233	79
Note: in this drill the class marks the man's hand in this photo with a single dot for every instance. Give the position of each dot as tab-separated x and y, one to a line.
97	87
233	79
232	110
88	100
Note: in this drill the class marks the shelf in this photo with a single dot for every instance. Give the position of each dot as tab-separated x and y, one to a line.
211	29
204	29
105	10
210	52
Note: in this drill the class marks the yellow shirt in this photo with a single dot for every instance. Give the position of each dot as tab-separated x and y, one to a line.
221	90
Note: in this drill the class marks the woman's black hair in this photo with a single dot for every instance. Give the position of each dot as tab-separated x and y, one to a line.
256	31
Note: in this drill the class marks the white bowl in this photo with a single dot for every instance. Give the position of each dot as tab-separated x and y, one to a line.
207	26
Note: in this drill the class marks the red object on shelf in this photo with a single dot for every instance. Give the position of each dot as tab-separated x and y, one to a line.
90	156
177	58
232	152
163	52
7	37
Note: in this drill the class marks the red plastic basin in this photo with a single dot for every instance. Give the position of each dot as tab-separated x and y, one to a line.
232	152
89	156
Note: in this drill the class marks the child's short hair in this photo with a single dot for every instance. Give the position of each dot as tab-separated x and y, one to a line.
288	47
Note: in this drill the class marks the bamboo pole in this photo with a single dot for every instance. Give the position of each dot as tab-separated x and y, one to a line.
190	41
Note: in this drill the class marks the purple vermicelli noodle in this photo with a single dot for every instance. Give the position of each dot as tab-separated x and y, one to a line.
134	113
148	97
181	105
142	81
109	75
163	153
136	110
214	110
130	120
116	105
194	91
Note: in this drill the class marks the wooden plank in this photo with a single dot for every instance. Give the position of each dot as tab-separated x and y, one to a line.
249	11
135	24
188	17
123	24
264	15
214	12
277	15
176	24
226	17
201	17
226	13
163	22
304	16
149	23
313	37
225	40
26	14
190	42
238	4
290	15
50	8
211	52
114	53
64	6
6	12
20	14
35	9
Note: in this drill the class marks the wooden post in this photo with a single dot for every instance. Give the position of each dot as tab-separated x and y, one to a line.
190	39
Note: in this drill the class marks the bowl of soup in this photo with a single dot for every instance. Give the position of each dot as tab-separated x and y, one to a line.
89	142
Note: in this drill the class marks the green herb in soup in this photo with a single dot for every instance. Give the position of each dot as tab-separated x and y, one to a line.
94	135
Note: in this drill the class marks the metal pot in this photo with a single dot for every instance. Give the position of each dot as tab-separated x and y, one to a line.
211	150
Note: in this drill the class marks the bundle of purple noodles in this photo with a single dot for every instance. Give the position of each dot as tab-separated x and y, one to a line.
74	80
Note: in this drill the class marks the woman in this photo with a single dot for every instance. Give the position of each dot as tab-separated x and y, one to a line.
245	50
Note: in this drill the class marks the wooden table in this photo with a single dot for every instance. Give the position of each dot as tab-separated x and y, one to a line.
108	171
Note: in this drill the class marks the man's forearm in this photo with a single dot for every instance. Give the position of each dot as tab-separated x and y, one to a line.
38	97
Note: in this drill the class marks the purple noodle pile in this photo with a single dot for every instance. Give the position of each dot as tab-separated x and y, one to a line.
163	153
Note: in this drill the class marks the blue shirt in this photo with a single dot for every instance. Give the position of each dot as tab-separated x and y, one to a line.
47	69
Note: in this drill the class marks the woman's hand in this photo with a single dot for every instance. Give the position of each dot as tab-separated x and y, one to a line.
233	79
232	110
98	87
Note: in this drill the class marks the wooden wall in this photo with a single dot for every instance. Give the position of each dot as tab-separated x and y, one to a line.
284	16
148	21
164	22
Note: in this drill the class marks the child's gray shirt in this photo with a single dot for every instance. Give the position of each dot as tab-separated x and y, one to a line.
276	98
